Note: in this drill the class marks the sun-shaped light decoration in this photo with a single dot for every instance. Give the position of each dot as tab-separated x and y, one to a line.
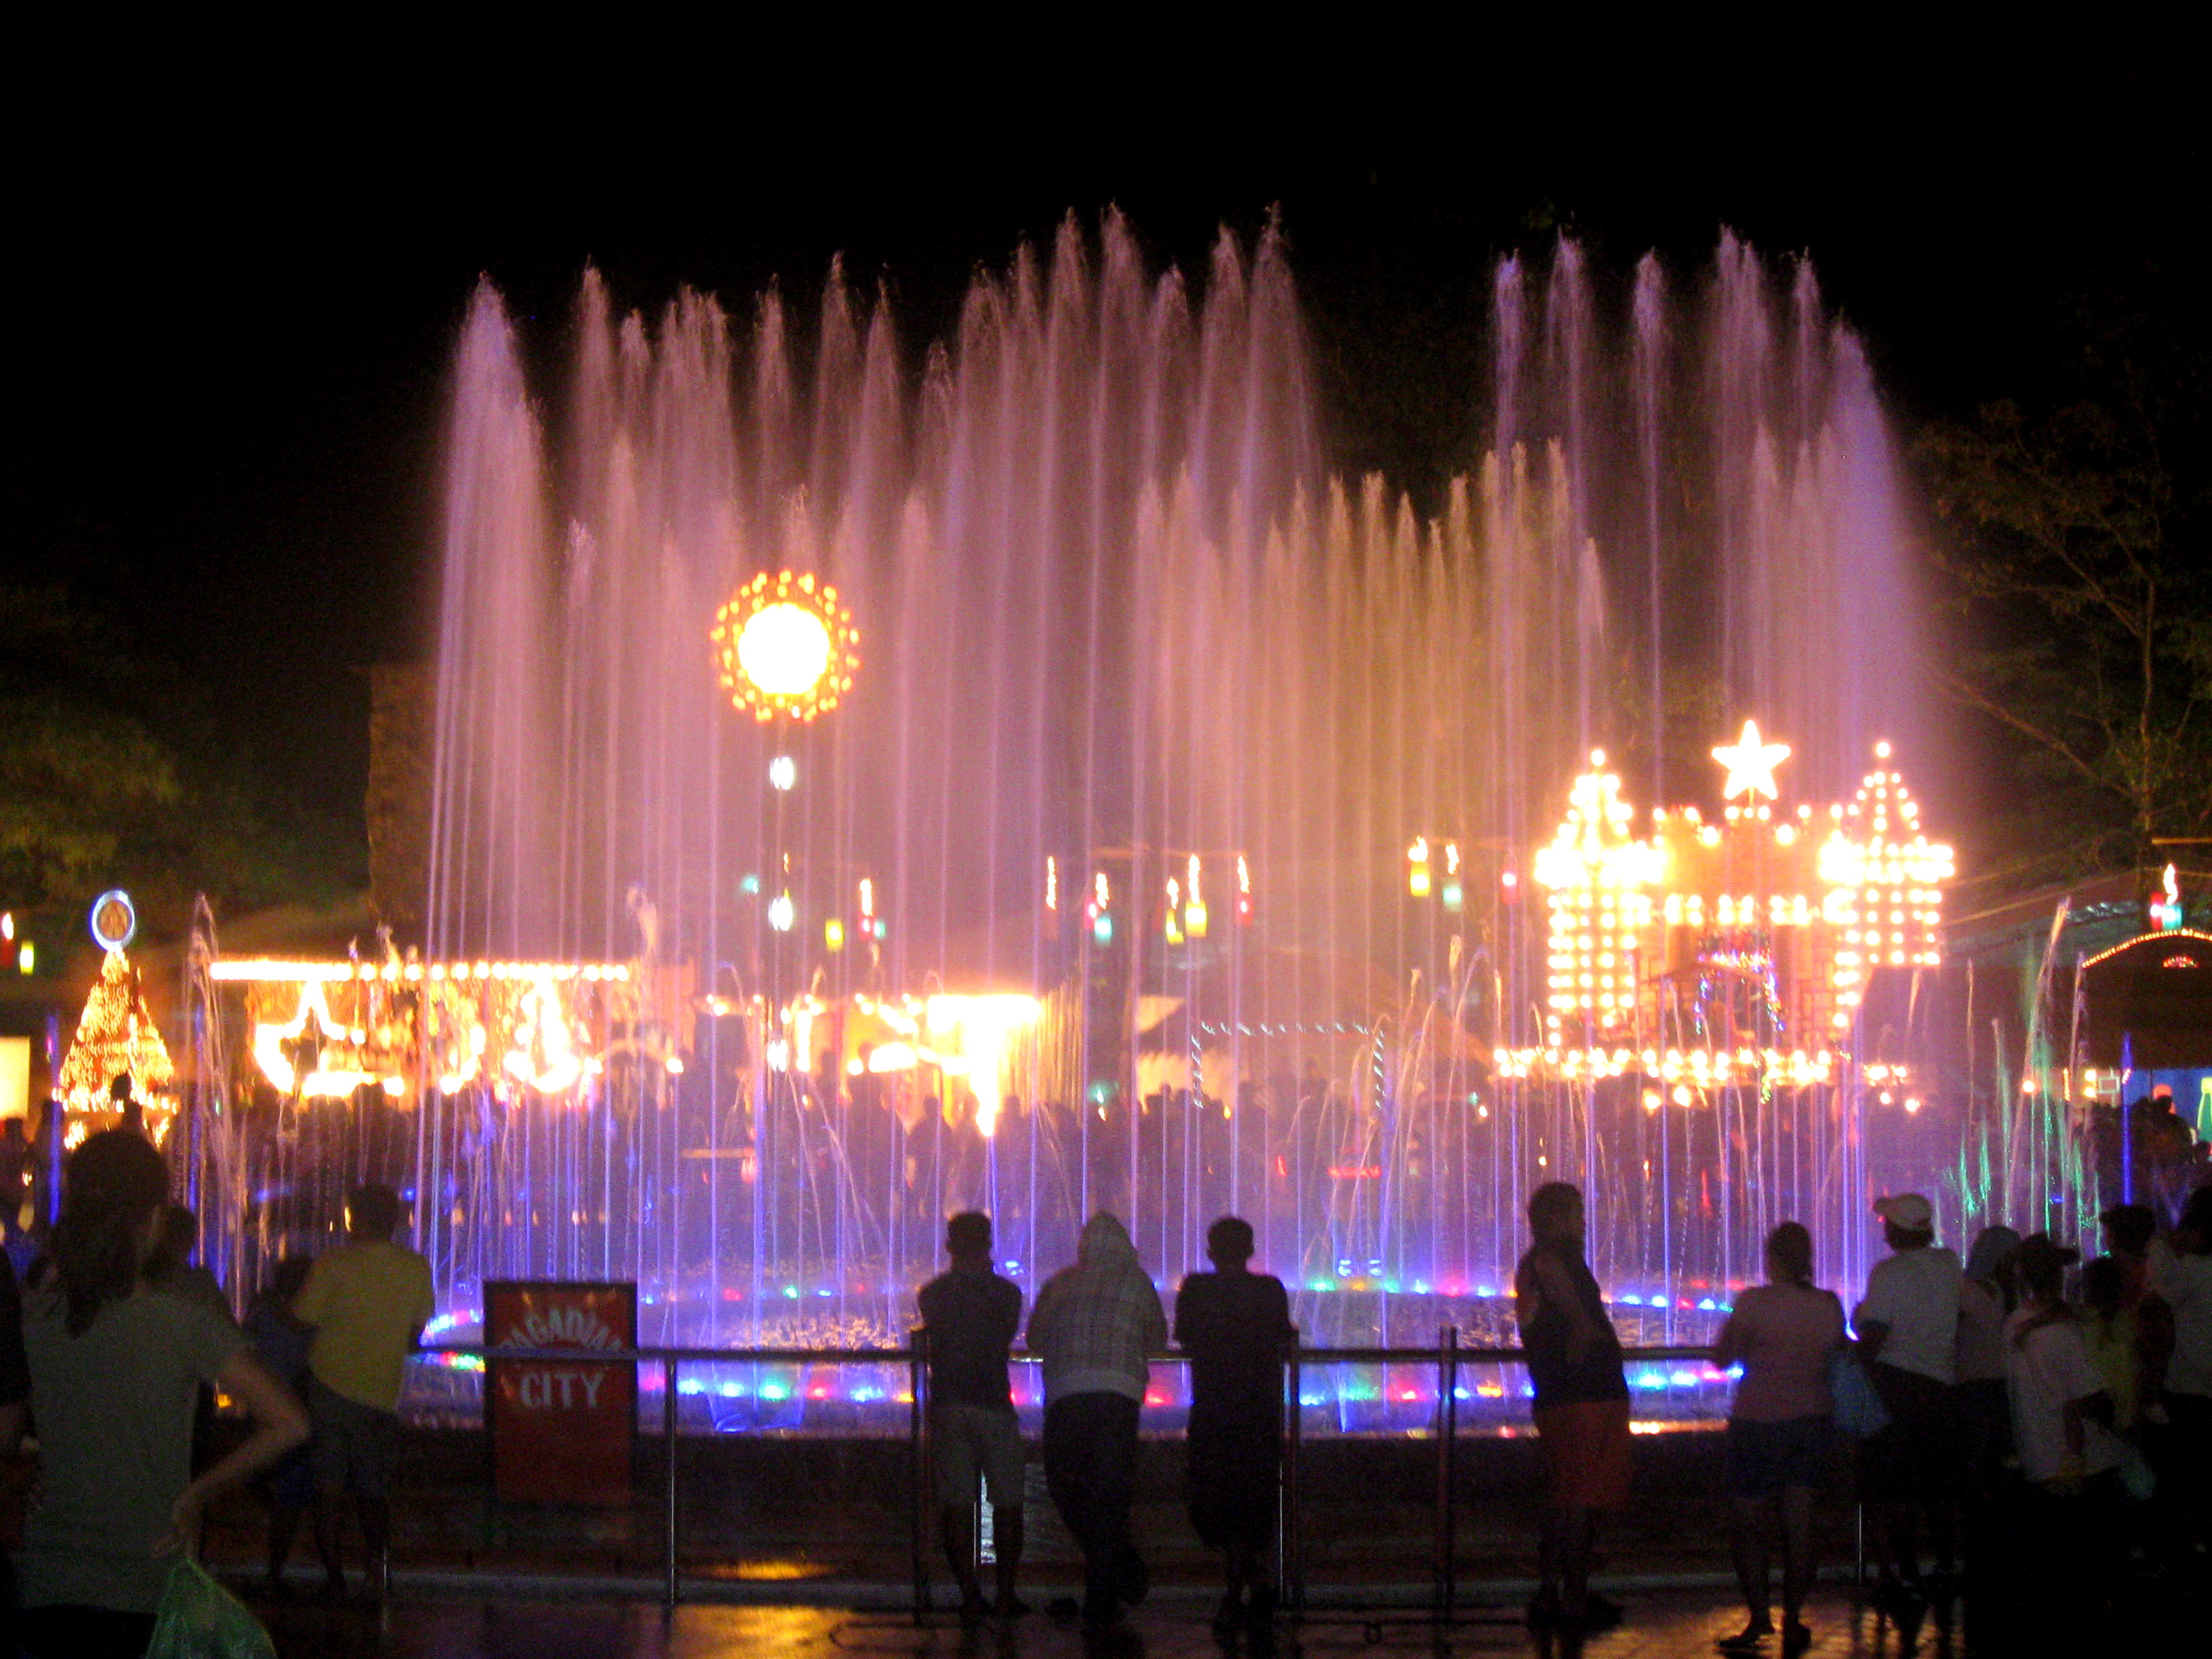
785	646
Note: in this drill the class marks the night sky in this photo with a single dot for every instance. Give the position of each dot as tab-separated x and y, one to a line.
231	329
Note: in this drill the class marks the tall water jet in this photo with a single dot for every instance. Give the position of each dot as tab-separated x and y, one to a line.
1188	790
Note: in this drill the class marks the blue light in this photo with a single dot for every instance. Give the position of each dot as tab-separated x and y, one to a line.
792	1291
1631	1300
750	884
1708	1305
688	1386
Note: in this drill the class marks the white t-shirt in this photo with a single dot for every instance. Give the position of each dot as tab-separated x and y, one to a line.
2045	1372
2184	1283
1915	1294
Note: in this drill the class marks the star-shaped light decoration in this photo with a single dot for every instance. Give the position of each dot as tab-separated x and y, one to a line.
1750	764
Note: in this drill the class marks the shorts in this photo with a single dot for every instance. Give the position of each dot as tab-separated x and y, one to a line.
355	1446
972	1440
1765	1457
1584	1448
1917	1456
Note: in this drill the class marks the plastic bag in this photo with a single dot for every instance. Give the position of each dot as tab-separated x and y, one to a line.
198	1619
1859	1411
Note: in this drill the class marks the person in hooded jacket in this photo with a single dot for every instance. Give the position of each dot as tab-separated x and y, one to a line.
1095	1326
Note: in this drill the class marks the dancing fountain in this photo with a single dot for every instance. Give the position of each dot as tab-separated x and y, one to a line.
1113	808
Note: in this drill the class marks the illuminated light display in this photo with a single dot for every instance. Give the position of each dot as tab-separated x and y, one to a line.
542	1054
1193	907
1417	868
1751	762
116	1035
785	646
979	1032
1766	933
114	920
2165	913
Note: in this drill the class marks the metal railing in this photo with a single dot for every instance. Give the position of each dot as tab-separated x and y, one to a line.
1448	1356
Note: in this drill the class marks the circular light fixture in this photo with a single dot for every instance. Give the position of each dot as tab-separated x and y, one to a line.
114	920
785	646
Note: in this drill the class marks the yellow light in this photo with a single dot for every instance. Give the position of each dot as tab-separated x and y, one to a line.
28	958
784	649
1751	762
785	646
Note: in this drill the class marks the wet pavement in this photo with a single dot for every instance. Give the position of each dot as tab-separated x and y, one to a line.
1660	1625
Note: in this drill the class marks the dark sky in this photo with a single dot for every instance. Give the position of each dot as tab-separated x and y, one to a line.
231	323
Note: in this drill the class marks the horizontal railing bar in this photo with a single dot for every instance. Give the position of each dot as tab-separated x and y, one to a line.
903	1356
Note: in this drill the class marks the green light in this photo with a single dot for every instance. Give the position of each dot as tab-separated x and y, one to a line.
749	885
1454	897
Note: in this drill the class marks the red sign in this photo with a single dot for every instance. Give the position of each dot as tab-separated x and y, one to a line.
561	1432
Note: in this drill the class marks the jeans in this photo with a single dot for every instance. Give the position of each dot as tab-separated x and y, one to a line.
1091	1470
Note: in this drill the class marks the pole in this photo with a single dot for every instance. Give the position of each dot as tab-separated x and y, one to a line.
669	1568
1447	1446
917	1489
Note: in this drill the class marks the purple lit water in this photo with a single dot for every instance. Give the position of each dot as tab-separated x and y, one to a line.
1117	609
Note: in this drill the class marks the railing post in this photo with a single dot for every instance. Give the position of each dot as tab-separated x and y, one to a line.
918	1486
670	1542
1447	1446
1290	1558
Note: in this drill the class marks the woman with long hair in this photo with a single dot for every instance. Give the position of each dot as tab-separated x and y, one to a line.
1782	1333
115	1367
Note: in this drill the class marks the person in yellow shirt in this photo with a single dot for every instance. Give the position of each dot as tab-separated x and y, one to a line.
367	1300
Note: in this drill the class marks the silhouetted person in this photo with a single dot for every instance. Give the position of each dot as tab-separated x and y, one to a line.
15	1179
15	1393
971	1316
1235	1324
2061	1425
1783	1334
1581	1404
1095	1324
1983	1415
130	1114
1908	1330
2178	1376
281	1340
368	1300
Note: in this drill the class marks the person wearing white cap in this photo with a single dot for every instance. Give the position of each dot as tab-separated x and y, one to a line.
1908	1332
